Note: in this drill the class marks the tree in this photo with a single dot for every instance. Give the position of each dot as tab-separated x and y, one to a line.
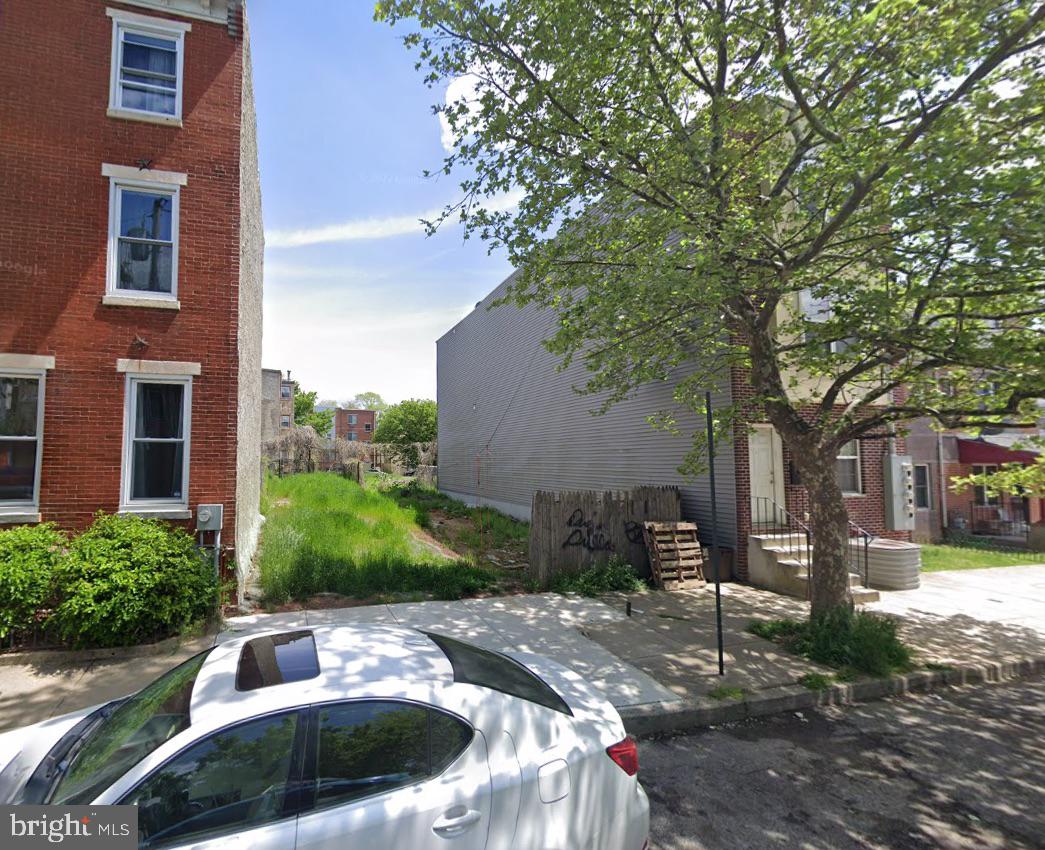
305	412
1015	479
367	401
695	172
402	426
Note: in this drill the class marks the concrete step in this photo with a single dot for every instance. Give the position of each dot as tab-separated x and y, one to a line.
855	581
864	595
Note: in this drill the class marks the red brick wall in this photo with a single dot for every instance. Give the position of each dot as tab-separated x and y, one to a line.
363	418
54	209
867	510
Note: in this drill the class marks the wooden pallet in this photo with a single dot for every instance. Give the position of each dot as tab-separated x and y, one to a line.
674	554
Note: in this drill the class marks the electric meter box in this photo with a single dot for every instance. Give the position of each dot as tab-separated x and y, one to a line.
209	517
899	493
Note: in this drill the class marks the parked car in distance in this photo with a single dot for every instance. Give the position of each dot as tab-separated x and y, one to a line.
337	736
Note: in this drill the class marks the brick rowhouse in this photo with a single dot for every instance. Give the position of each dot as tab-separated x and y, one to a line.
60	135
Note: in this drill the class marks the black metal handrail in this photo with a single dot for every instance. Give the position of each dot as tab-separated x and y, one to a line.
861	560
772	518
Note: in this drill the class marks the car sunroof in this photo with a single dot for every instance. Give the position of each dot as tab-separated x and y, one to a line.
276	660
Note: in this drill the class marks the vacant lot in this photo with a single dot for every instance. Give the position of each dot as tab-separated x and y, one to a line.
327	535
940	557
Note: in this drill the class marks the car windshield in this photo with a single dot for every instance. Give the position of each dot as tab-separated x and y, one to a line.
138	726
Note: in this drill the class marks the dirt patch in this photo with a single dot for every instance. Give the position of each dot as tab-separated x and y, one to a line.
429	542
320	602
282	502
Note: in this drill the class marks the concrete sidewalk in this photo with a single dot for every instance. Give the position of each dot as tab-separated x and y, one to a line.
658	667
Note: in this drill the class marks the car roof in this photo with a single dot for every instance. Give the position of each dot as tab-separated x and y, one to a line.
353	661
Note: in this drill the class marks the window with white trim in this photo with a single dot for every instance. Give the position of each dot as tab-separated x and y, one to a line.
847	468
980	497
922	491
285	391
284	422
352	419
352	436
148	58
156	441
21	439
143	239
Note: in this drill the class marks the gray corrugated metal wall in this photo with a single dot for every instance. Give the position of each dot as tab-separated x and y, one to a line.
501	401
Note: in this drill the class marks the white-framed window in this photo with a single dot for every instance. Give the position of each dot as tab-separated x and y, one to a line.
21	438
368	427
143	239
847	468
147	77
352	419
818	309
285	391
157	429
284	421
922	489
979	493
352	436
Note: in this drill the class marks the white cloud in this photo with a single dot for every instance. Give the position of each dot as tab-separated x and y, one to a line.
461	88
373	228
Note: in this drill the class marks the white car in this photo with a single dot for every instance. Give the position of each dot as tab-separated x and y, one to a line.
348	738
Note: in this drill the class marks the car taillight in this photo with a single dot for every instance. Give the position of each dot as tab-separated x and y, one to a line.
626	754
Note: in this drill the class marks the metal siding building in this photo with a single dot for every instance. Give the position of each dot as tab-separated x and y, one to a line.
510	424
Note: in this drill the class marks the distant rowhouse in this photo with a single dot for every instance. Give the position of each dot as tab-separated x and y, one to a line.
130	264
355	425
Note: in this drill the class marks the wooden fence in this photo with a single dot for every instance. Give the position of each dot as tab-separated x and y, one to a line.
570	531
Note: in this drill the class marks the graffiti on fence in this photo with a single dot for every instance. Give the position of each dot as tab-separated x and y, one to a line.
633	531
587	533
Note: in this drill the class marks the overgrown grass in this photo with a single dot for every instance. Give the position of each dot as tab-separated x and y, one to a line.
937	557
815	681
324	533
489	528
853	642
724	692
615	575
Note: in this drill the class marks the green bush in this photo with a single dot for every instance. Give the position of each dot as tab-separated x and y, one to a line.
615	575
127	580
28	557
850	641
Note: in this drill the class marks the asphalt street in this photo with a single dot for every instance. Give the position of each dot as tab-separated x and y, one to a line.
961	768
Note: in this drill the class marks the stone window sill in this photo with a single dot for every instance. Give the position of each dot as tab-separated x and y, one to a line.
158	513
131	115
132	301
19	518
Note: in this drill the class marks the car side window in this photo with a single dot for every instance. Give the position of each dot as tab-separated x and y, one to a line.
235	779
370	747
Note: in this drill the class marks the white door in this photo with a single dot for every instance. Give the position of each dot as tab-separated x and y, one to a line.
766	459
443	798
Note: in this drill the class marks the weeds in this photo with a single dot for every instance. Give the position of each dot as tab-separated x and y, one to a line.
815	681
615	575
724	692
325	533
853	642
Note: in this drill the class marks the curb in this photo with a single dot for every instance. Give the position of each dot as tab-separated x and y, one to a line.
116	653
690	714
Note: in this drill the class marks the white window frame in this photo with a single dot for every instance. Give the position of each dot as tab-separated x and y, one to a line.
286	391
985	501
27	510
859	491
159	28
353	437
180	507
167	183
284	421
928	506
353	419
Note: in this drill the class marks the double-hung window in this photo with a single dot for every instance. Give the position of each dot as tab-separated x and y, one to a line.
21	440
847	468
147	67
143	237
980	496
922	490
156	442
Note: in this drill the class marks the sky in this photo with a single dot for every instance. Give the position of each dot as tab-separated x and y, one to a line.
355	294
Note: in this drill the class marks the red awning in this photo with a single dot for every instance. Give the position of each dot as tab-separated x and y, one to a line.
980	451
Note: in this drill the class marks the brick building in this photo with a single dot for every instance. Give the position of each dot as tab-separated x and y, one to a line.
355	425
130	264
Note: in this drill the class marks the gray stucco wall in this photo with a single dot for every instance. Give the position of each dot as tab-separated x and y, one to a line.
252	249
271	380
502	401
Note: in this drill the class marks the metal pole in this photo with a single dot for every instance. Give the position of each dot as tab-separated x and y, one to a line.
714	533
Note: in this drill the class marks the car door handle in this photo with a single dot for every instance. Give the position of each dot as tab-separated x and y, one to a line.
455	821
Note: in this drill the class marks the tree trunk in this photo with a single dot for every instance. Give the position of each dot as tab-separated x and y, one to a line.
829	571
